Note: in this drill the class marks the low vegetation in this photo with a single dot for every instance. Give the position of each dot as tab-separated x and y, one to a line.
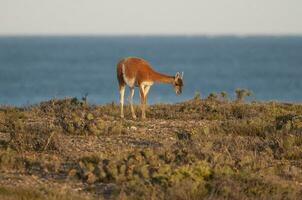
216	148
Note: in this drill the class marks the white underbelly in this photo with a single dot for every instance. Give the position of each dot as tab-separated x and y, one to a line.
147	83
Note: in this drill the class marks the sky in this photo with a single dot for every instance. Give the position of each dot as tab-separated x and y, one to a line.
150	17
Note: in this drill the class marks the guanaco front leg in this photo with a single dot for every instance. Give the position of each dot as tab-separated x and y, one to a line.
143	96
143	101
131	94
146	90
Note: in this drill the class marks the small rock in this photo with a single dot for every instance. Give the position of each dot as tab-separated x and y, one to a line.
295	171
133	128
91	178
89	116
206	130
72	173
144	171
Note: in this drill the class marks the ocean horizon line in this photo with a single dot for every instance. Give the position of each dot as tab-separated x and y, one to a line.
157	35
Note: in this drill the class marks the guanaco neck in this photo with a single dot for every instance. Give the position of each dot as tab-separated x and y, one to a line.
162	78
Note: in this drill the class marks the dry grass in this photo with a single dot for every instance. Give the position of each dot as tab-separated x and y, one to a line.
199	149
19	193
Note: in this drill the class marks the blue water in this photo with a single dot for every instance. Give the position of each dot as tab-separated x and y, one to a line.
33	69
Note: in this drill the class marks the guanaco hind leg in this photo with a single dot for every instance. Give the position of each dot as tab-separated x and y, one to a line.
122	94
131	94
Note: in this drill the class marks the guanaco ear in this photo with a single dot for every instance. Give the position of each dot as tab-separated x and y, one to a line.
177	75
182	75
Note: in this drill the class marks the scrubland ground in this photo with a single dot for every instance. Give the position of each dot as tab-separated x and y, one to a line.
198	149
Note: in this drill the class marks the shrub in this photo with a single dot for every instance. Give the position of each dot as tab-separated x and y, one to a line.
242	93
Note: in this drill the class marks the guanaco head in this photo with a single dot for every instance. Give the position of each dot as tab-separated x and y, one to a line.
178	83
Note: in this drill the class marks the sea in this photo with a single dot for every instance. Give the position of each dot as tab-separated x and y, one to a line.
39	68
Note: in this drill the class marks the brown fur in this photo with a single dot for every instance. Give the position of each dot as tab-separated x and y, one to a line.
141	71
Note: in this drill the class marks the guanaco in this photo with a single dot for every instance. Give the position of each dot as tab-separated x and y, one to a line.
136	72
